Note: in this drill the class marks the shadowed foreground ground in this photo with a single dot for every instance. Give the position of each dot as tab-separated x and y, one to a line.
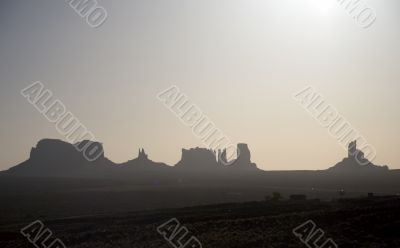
363	222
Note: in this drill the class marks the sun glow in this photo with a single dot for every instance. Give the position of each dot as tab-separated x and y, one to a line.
323	7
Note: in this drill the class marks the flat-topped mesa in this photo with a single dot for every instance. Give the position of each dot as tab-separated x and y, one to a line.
197	158
50	148
52	157
57	150
204	159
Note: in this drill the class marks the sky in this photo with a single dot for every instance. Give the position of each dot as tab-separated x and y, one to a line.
239	61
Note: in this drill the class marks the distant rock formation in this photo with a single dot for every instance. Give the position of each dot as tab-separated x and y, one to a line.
207	159
56	158
54	153
53	157
142	155
356	162
243	160
198	159
143	163
57	150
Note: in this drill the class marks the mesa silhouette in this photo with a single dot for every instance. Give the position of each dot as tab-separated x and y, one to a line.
56	158
56	175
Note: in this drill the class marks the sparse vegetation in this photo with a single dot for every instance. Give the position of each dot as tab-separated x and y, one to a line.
362	222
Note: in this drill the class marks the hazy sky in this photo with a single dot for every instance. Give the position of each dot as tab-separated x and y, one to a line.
239	61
